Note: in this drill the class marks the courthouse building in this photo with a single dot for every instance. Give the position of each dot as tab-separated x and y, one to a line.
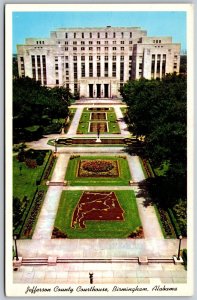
96	62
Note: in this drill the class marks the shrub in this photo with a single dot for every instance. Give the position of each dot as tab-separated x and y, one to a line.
30	163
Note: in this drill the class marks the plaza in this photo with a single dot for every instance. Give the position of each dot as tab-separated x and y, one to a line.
147	259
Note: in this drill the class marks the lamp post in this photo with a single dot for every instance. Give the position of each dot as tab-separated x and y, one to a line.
179	250
15	238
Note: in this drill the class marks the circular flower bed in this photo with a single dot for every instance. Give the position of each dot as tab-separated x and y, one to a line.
98	166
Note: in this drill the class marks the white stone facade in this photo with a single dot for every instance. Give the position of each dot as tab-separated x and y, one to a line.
95	62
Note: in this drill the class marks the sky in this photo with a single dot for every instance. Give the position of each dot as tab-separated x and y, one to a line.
39	24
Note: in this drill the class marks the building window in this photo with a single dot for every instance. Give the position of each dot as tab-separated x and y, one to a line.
83	58
140	66
113	69
121	71
106	48
152	67
74	35
90	34
106	42
66	49
66	35
122	48
90	42
164	56
57	81
90	48
90	58
163	68
66	57
74	42
153	56
130	42
33	66
75	71
66	65
106	57
121	57
74	48
66	43
98	42
98	70
122	42
106	70
82	48
67	72
56	66
114	42
130	57
82	69
159	41
122	35
82	43
98	48
114	48
75	58
98	58
175	65
130	34
106	35
98	35
82	35
90	69
114	35
113	57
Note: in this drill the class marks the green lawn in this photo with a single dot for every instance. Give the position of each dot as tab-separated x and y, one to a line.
98	229
123	179
24	181
85	119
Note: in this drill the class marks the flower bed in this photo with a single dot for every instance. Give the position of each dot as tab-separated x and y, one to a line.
98	168
166	224
101	125
98	116
29	224
49	168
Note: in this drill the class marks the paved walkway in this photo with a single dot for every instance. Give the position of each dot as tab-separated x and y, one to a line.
44	226
75	122
153	245
121	122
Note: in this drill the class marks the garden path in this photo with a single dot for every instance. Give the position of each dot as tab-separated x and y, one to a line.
147	213
75	122
121	122
44	226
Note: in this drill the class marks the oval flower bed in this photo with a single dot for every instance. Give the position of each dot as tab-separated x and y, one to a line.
98	168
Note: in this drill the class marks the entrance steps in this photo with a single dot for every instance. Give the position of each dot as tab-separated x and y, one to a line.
38	261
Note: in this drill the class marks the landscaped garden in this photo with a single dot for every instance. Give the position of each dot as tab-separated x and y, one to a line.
31	169
98	171
102	118
97	214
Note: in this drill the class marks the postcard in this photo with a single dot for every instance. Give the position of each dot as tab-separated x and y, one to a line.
99	149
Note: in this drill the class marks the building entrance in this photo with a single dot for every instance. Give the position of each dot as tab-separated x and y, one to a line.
98	90
106	90
91	91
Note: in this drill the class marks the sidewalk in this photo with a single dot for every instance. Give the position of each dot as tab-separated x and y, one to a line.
44	226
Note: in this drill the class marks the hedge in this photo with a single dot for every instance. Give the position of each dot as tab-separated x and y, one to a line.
174	223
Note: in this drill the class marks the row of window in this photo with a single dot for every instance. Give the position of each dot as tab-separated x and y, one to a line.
91	43
97	48
75	58
114	57
98	35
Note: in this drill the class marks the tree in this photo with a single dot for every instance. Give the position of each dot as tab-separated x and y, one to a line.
157	111
35	106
